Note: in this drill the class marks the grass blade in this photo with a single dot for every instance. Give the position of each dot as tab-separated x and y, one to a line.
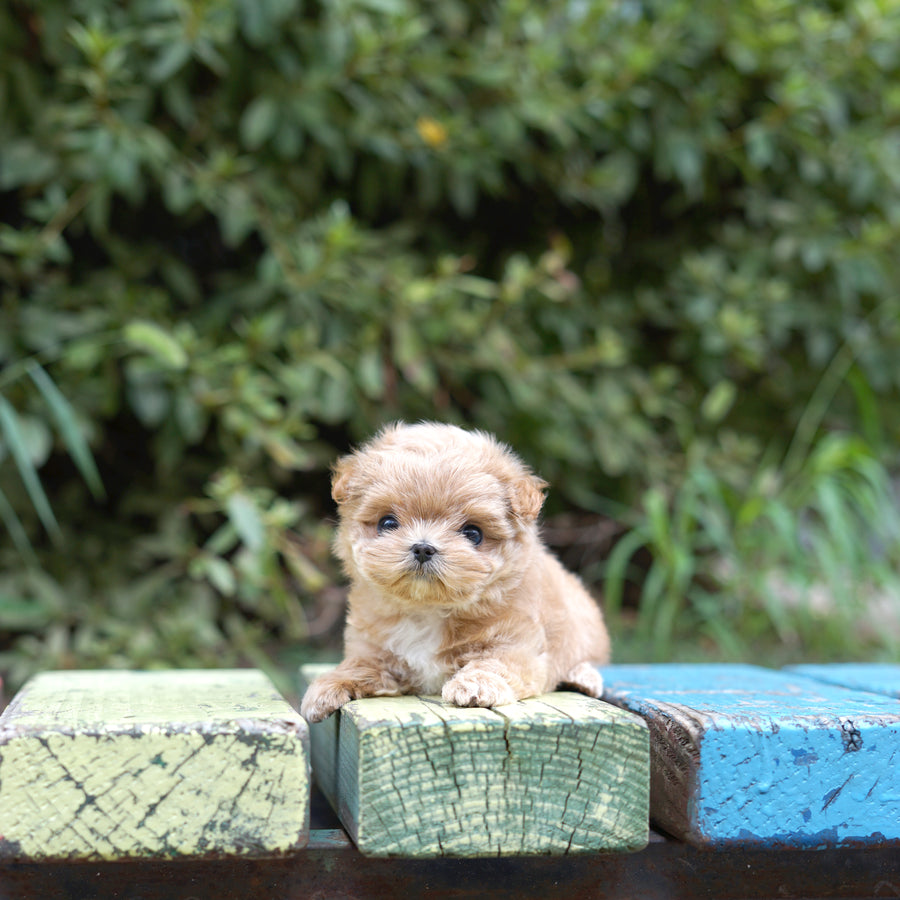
9	428
72	435
15	529
615	572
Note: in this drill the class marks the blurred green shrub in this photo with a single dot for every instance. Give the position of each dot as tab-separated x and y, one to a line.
629	237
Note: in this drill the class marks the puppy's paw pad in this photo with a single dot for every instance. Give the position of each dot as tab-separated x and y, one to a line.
321	700
585	678
483	689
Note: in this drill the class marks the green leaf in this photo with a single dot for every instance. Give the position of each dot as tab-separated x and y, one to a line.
169	61
15	529
9	427
684	155
158	343
718	401
148	395
221	576
658	519
259	121
245	518
36	438
24	162
370	373
72	435
223	540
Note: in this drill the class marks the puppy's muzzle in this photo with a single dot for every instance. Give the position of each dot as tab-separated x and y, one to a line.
423	552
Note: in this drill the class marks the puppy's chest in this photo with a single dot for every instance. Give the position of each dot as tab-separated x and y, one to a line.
416	641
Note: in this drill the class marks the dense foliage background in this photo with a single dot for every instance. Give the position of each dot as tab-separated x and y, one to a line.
653	245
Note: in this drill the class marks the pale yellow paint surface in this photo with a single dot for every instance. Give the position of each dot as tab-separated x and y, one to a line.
114	700
108	765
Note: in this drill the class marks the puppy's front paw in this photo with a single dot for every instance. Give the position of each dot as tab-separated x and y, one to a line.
477	687
322	699
585	678
330	692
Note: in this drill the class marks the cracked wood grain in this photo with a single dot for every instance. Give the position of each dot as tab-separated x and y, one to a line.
416	777
116	765
742	755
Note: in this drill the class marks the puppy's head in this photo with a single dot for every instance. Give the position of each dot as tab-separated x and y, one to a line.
435	516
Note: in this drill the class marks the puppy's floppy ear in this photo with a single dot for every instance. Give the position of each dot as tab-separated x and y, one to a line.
343	478
526	495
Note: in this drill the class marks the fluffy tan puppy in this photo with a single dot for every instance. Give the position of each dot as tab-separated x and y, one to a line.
452	591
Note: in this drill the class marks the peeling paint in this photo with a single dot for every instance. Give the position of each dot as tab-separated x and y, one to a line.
120	765
725	783
556	774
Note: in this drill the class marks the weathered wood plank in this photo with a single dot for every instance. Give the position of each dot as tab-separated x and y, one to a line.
415	777
115	765
877	678
743	755
323	739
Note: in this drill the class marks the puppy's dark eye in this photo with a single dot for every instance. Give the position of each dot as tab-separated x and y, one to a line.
472	533
387	523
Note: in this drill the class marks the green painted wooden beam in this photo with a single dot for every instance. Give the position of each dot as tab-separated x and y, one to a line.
416	777
115	765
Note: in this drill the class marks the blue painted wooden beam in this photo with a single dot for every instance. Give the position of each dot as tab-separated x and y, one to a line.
744	755
879	678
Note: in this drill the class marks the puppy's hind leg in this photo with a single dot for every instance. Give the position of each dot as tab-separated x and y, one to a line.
585	678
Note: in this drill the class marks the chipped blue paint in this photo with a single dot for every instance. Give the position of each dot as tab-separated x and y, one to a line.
802	758
769	758
879	678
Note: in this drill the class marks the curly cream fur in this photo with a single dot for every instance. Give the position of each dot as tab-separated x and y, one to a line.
481	624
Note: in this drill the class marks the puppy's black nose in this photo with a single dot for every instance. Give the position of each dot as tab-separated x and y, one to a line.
422	551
